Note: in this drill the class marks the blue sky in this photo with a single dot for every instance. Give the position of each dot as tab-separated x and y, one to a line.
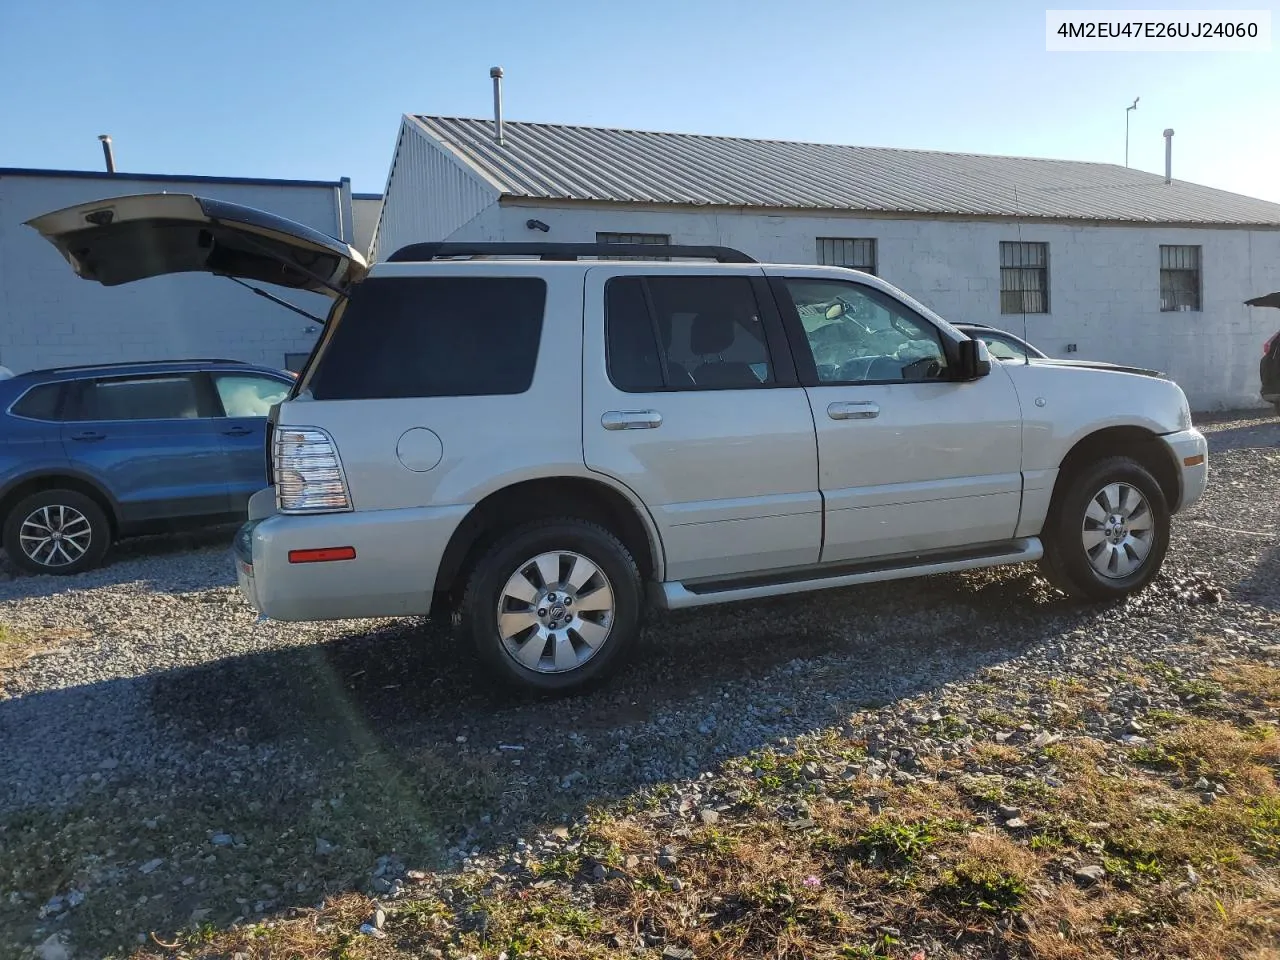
315	89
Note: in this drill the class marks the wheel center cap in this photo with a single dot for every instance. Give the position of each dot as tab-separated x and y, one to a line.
557	612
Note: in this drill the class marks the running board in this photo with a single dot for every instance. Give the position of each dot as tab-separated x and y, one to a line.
678	596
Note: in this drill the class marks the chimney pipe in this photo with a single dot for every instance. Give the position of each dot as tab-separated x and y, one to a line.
1168	155
496	74
106	152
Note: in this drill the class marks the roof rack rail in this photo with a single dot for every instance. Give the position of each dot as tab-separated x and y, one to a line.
419	252
135	363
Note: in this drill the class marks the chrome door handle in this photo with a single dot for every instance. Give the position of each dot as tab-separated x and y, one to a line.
853	410
631	420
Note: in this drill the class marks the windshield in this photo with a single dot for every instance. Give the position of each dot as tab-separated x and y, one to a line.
1003	348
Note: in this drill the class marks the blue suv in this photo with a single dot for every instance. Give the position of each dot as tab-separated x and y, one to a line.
89	454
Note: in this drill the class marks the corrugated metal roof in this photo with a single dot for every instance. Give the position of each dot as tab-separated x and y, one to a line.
553	161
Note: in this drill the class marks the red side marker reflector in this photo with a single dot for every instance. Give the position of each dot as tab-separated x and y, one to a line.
322	555
1193	461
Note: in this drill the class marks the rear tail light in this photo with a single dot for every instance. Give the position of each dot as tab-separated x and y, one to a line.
307	472
1266	347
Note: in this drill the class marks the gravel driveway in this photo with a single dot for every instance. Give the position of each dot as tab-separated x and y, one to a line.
165	759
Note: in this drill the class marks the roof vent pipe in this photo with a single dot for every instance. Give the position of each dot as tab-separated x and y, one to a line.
1168	155
106	152
496	74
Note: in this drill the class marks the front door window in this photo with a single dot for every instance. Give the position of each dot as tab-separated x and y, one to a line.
857	335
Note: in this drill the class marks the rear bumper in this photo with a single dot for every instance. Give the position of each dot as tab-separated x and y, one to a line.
392	575
1191	453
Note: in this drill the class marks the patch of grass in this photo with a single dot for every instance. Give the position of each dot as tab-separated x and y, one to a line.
1196	689
1217	751
997	754
990	875
1127	865
888	844
1256	681
982	887
715	841
948	728
563	863
1262	827
997	718
1164	719
17	646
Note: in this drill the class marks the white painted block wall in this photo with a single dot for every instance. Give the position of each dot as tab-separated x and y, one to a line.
50	317
1104	281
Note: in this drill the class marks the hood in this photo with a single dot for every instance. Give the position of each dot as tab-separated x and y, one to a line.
1098	365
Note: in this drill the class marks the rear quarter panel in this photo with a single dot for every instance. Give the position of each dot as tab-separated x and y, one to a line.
28	448
484	442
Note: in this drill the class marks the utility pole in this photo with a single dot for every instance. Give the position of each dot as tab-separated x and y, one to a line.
1133	106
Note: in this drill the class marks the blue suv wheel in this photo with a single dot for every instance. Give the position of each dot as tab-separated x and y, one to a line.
56	532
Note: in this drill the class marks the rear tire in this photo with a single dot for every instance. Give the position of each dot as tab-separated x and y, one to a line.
554	606
1107	532
1277	406
58	532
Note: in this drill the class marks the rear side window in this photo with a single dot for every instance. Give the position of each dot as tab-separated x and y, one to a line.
685	333
432	337
40	403
172	397
243	395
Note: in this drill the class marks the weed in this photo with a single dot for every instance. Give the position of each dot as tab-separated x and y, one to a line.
895	844
1196	689
981	886
1164	719
1263	827
996	718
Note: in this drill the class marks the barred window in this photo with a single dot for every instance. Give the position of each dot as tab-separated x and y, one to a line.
1179	278
657	239
1024	277
858	254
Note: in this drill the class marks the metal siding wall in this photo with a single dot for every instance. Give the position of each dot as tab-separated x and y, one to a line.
364	214
1104	281
49	316
429	195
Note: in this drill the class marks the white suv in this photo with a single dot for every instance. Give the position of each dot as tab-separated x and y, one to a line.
532	436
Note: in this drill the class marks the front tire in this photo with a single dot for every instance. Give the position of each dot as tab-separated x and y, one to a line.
554	606
59	532
1107	532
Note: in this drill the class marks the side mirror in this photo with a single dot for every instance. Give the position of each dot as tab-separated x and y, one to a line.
975	361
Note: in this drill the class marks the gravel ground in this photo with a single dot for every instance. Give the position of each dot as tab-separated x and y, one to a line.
164	758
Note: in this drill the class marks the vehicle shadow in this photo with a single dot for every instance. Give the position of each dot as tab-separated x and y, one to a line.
387	741
1263	585
1266	434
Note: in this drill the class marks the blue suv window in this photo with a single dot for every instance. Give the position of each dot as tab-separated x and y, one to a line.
40	403
165	397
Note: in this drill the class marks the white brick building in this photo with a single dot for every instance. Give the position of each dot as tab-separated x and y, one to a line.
50	317
1109	263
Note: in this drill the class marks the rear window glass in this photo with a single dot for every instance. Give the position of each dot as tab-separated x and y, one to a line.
432	337
40	403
